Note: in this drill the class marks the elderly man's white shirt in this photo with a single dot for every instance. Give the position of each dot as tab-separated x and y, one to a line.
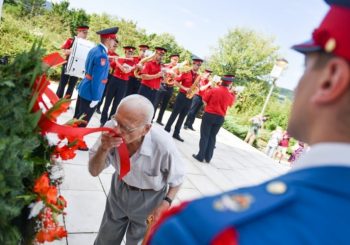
155	164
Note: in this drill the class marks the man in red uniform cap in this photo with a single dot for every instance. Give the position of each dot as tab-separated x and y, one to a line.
167	87
116	89
183	103
82	32
134	82
216	101
309	205
197	101
151	75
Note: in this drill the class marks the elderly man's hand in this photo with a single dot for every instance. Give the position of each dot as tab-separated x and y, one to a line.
157	212
109	141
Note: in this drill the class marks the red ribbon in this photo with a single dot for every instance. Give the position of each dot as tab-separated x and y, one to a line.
41	88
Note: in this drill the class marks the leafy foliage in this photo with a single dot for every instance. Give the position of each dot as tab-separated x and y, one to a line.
244	53
19	138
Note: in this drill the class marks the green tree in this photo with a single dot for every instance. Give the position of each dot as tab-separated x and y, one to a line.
32	7
244	53
168	41
78	17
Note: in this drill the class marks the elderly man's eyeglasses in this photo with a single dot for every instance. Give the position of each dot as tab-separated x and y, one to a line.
124	128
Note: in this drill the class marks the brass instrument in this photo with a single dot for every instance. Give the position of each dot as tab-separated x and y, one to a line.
142	62
214	81
184	67
193	89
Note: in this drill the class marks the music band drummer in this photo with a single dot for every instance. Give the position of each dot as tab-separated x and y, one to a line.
82	32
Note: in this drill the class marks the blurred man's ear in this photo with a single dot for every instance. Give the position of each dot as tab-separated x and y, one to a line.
335	81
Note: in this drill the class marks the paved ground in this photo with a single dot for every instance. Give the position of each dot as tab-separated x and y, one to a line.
235	164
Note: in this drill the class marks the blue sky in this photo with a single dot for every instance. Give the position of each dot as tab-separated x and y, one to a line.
198	24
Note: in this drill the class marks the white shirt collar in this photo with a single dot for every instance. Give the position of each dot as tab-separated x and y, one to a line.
324	154
104	47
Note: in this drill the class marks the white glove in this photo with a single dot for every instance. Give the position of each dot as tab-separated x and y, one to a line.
93	103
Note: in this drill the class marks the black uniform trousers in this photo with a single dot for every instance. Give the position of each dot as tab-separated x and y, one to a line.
181	107
197	104
104	93
72	81
83	107
133	86
211	124
163	97
148	92
115	92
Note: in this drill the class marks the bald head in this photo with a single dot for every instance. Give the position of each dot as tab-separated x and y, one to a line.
137	106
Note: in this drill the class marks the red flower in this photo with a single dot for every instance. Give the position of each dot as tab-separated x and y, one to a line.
42	184
51	195
65	152
60	232
61	203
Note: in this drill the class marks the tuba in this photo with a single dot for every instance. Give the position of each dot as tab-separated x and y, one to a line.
193	89
142	62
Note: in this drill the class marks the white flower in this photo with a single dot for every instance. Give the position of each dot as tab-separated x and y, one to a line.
35	209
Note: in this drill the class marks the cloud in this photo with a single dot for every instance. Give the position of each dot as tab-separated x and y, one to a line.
189	24
186	11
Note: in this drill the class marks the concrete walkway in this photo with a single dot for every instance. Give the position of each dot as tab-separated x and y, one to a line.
235	164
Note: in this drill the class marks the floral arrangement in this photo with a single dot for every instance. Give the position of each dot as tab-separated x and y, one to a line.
32	144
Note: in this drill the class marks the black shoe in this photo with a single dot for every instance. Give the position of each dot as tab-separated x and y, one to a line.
190	127
185	127
83	148
176	136
167	129
160	123
98	111
195	157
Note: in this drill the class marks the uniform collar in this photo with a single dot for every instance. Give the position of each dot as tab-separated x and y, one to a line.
106	49
325	154
146	147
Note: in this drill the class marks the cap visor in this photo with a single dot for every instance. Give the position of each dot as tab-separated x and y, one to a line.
307	47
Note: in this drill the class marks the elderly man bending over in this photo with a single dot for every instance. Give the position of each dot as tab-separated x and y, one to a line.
157	171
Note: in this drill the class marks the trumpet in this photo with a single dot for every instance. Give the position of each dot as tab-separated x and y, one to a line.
214	81
142	62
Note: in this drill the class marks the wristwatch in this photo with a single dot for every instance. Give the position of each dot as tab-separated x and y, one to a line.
168	199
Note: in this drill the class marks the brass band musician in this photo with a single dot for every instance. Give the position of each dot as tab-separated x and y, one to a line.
135	82
151	75
167	87
197	102
183	102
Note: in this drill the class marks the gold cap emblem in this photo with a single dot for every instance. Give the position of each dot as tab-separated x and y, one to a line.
330	45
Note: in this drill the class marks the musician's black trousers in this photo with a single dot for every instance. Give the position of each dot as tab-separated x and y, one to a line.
83	107
210	127
72	81
163	97
115	92
181	107
133	86
148	92
197	104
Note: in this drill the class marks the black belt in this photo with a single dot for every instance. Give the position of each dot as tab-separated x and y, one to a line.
133	188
